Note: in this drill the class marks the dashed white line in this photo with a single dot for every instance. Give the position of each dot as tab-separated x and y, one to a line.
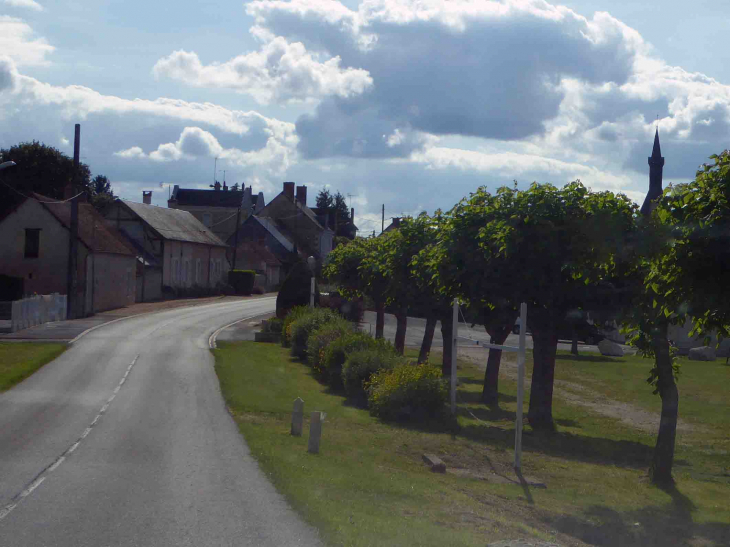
5	511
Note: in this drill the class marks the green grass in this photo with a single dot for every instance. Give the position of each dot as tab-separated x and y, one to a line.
368	485
18	360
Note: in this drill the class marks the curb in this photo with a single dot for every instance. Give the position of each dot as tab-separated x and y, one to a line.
212	339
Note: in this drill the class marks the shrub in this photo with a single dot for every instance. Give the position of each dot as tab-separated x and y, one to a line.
408	391
306	325
361	365
337	352
291	317
275	325
321	338
242	280
295	290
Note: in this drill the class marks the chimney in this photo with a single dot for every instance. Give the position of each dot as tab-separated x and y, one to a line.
289	190
396	222
302	194
352	215
147	197
225	188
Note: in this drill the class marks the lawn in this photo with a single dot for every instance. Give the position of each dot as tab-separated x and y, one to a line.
18	360
368	485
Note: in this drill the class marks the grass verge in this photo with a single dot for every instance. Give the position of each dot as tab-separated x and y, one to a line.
18	360
368	486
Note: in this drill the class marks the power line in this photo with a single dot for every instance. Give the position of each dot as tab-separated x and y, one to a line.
39	201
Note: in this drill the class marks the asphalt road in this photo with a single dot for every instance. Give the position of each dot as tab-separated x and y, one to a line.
467	335
125	440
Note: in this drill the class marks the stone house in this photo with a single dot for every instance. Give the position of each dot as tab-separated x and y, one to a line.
35	249
179	252
216	209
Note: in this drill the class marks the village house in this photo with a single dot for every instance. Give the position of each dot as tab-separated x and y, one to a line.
179	252
217	208
35	249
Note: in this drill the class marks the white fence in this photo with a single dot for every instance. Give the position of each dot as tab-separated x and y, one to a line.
36	310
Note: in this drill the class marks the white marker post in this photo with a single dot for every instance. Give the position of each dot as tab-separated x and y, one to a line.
454	336
520	386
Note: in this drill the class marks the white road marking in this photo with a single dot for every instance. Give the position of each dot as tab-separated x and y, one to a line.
214	336
5	511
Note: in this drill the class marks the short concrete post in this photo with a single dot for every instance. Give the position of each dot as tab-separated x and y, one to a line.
297	417
315	431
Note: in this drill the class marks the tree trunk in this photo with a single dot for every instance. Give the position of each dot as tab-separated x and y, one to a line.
401	318
427	338
447	333
379	319
490	392
574	343
660	471
545	345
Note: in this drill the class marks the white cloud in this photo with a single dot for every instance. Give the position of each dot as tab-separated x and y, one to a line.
280	72
30	4
133	152
16	42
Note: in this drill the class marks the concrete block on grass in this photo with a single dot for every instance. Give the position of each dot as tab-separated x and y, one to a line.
435	463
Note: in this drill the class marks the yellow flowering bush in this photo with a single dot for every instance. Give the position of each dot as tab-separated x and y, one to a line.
361	365
406	392
293	315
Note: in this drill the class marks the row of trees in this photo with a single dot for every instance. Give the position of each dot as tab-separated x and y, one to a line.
47	171
563	251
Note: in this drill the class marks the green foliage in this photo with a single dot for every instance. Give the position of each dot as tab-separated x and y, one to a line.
286	329
295	290
275	325
242	280
336	353
302	328
362	364
324	336
407	392
340	213
40	168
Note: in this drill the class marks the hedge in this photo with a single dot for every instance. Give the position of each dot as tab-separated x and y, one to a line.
361	365
407	392
242	281
322	338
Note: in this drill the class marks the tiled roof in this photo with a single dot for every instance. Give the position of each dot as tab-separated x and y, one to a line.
174	224
93	231
209	198
260	251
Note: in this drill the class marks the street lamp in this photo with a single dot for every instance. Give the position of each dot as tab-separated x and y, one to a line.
7	164
312	263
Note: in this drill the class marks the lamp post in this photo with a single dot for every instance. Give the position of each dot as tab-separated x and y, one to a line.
312	263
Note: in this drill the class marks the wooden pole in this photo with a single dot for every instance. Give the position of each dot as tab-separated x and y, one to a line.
520	386
71	273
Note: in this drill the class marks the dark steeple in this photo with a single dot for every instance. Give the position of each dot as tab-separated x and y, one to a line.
656	165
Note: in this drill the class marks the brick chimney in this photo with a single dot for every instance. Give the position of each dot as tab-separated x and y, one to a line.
147	197
289	190
302	194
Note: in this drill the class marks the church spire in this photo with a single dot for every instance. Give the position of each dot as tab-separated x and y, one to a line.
656	166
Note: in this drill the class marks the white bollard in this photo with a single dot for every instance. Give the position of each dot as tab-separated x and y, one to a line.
297	417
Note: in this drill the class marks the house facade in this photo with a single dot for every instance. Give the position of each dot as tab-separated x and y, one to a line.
217	209
179	252
35	249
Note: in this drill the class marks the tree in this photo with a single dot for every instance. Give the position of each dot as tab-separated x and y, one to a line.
556	249
346	266
686	251
338	214
102	195
40	168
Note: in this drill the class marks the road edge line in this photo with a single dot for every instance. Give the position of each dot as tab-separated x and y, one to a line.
87	331
212	338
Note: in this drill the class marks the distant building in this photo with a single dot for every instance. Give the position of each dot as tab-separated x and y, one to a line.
178	250
35	249
217	208
394	225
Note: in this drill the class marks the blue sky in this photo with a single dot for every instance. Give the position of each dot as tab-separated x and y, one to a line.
411	104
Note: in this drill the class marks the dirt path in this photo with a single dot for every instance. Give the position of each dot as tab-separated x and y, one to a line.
580	395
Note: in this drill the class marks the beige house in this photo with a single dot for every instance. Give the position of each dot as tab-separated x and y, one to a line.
35	249
179	252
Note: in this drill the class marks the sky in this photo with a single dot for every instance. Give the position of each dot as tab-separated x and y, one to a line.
410	104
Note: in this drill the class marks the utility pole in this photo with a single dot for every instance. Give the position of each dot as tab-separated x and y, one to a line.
382	222
71	274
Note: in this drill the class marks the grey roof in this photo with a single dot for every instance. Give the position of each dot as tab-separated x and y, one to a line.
174	224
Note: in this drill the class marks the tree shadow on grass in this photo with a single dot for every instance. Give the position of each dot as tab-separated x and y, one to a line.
475	397
651	526
588	358
565	445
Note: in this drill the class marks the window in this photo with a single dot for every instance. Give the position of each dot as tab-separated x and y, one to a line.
207	219
32	242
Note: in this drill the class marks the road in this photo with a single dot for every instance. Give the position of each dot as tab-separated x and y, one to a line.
125	440
467	335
